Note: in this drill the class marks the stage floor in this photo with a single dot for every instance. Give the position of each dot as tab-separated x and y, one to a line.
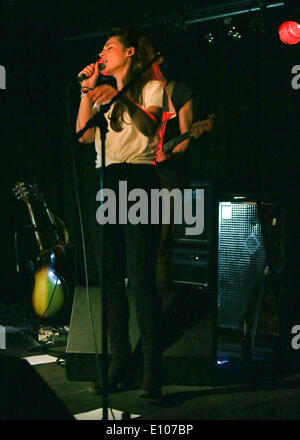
266	400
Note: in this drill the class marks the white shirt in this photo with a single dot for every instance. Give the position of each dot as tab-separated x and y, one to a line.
129	144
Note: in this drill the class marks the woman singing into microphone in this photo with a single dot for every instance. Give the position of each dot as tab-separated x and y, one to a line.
131	141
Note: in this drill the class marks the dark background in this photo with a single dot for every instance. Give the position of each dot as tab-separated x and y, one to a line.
246	82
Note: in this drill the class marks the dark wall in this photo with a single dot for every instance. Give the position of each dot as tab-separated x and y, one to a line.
247	83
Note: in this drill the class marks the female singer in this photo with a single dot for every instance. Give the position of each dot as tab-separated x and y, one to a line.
131	141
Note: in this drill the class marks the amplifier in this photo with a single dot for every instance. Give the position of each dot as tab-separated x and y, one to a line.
206	195
190	267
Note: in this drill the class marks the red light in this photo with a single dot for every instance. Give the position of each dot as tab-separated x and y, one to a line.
289	32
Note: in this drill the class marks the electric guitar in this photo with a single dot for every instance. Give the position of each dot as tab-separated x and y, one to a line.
51	290
197	129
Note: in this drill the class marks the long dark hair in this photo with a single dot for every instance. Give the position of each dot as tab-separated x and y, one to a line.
144	53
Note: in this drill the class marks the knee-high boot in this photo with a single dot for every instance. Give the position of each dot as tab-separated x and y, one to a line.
118	330
149	316
120	375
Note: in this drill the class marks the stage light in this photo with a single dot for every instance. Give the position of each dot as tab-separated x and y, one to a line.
289	32
233	32
210	38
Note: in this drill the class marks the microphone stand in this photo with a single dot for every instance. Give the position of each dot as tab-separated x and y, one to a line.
99	121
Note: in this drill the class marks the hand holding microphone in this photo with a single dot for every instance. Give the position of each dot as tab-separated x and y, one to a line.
88	77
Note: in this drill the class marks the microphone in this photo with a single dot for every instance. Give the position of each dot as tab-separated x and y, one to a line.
101	66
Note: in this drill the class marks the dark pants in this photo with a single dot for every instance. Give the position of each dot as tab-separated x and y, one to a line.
132	250
169	179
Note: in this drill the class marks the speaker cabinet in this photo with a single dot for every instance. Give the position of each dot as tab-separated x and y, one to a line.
241	258
85	335
188	346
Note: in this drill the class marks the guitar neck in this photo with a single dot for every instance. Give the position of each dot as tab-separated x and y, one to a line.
51	219
34	223
169	146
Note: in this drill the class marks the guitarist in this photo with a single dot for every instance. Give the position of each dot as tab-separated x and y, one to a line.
171	166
